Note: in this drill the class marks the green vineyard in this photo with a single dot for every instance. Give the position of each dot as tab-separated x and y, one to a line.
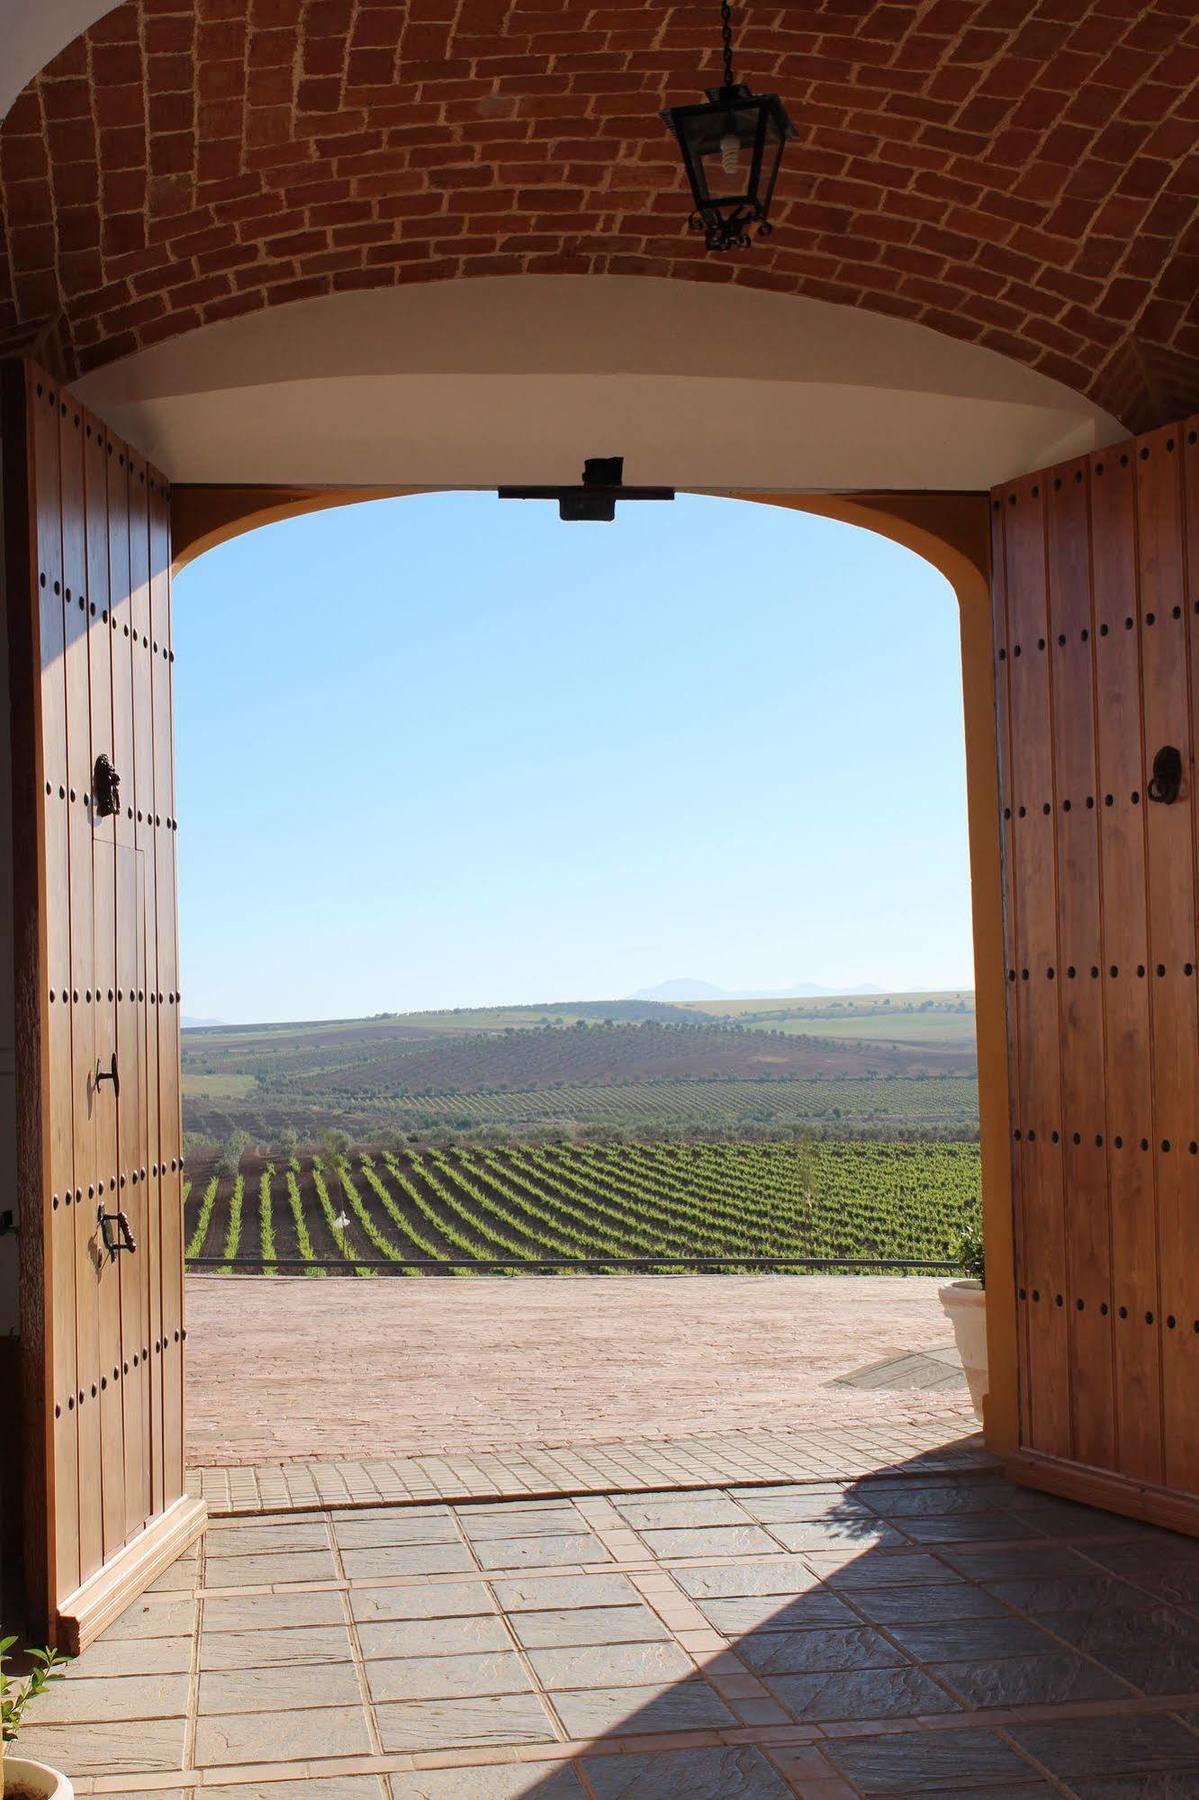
521	1069
646	1204
943	1106
945	1103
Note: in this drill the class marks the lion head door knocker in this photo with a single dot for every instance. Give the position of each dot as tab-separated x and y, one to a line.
106	786
1166	784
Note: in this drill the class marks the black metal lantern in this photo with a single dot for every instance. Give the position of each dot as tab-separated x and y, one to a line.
732	148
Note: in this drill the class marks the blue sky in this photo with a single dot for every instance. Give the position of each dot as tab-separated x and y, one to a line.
446	751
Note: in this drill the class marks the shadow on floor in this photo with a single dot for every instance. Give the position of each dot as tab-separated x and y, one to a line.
930	1629
949	1634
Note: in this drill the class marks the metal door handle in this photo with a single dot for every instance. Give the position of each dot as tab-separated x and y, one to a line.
109	1075
106	786
124	1238
1166	783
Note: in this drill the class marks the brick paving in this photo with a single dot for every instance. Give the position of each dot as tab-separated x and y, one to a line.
389	1374
1019	181
535	1472
911	1633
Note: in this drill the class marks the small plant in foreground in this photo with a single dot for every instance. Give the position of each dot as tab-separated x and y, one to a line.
15	1696
972	1256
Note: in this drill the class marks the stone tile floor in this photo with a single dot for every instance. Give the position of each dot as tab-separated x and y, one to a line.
919	1631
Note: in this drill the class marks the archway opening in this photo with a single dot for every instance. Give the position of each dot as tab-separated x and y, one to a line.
534	770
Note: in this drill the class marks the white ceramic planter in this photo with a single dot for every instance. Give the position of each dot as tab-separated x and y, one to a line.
966	1304
26	1780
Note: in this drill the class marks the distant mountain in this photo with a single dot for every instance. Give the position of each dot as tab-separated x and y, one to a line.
189	1024
688	988
681	989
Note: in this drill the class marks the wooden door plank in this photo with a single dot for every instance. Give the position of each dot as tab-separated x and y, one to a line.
131	1270
167	1152
148	1222
1084	1110
134	1289
112	1430
112	1433
1172	953
121	630
144	836
86	1096
1001	624
1184	1303
1127	1026
58	1204
1038	1146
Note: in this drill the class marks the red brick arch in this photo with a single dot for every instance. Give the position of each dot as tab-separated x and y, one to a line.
1018	174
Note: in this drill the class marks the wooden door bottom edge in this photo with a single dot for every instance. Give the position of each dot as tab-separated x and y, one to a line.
1104	1488
93	1607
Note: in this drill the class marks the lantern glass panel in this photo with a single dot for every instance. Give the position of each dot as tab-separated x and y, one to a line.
772	158
723	141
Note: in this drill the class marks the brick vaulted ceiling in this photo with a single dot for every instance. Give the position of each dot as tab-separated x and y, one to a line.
1023	174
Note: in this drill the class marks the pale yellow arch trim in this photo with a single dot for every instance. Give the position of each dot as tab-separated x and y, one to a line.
953	533
203	517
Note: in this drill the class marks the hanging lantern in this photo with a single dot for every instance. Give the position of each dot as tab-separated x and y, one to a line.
732	147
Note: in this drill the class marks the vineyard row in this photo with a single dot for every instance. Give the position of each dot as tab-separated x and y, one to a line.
531	1203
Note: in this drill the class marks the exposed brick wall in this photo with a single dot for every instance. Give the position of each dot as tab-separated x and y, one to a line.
1019	173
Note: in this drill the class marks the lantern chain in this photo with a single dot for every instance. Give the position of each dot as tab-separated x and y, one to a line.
726	33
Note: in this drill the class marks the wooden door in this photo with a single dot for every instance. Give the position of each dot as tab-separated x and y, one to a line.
1096	601
87	579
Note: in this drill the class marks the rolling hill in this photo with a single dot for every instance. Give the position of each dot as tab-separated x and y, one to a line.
631	1062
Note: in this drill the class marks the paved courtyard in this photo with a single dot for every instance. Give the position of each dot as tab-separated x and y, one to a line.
290	1369
722	1540
917	1632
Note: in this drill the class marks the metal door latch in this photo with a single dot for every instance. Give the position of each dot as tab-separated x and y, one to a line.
106	786
8	1225
109	1075
124	1238
1167	775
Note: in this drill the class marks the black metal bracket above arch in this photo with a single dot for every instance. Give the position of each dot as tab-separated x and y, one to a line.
596	496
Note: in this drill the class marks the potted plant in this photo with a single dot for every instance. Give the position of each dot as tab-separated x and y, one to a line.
966	1304
21	1779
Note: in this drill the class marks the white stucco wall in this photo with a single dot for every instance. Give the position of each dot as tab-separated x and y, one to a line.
34	31
515	379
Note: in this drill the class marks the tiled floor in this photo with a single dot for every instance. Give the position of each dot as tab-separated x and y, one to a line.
910	1633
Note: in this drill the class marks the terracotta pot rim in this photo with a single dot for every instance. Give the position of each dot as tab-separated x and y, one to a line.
16	1768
